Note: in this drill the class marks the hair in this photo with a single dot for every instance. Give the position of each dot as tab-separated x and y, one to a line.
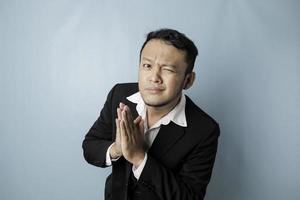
178	40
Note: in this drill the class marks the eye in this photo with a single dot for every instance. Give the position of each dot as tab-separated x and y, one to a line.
169	70
147	66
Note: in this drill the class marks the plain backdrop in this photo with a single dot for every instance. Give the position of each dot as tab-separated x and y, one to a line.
59	59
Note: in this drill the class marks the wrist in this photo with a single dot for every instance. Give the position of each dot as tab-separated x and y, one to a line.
113	153
138	159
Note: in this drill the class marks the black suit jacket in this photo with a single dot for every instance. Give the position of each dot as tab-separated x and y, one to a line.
180	160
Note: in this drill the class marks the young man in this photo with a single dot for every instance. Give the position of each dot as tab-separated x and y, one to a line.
161	146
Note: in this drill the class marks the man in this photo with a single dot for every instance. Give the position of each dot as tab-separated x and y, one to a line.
161	146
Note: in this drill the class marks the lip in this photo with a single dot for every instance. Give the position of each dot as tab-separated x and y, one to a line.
154	90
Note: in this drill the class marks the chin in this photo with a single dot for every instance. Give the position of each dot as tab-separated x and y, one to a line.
156	103
151	101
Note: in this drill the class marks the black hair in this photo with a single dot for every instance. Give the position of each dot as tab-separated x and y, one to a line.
178	40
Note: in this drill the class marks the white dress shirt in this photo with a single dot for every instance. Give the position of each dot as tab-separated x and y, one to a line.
176	115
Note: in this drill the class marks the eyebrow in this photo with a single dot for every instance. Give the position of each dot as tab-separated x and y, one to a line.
169	65
148	59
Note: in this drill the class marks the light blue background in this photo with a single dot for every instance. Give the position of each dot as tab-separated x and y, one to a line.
59	59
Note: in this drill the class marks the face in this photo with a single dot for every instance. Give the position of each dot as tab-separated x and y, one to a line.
161	73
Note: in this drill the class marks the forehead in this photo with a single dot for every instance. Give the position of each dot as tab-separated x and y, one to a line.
159	49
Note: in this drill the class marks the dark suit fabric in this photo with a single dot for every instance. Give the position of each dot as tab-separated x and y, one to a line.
180	160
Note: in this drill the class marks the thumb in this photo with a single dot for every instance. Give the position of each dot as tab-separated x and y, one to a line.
141	126
137	120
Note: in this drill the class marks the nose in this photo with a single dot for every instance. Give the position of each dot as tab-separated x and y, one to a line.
155	75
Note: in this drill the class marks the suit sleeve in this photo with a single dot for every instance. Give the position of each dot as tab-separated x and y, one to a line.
99	137
190	181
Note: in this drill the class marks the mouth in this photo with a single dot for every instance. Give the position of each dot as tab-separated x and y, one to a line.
154	90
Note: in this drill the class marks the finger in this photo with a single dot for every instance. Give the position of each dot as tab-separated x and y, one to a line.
137	120
129	118
141	127
119	113
118	132
128	112
125	123
121	105
118	127
122	131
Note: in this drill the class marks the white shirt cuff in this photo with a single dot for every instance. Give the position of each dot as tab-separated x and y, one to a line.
108	159
138	171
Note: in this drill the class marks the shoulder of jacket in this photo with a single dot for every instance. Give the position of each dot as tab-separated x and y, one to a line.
120	91
126	87
199	122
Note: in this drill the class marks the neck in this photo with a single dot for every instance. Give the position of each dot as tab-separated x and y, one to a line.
156	113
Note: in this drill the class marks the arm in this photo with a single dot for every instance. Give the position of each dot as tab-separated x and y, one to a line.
189	182
99	137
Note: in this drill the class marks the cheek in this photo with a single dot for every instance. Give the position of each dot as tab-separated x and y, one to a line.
141	75
174	82
142	79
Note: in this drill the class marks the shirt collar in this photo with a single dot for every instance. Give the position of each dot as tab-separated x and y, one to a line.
177	114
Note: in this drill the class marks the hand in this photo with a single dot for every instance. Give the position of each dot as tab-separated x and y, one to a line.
132	137
116	150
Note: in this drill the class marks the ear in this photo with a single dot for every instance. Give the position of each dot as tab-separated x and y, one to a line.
189	80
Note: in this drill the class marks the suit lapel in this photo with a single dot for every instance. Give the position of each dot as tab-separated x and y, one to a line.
167	136
132	107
